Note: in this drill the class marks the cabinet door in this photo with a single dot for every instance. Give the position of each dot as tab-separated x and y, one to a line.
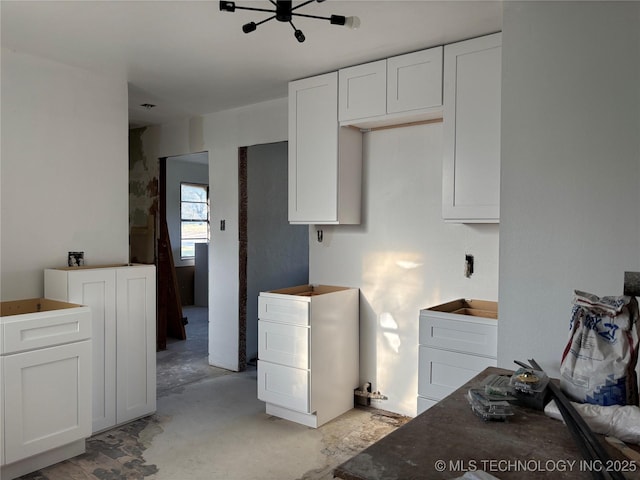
96	288
136	342
49	399
363	91
313	149
471	125
414	81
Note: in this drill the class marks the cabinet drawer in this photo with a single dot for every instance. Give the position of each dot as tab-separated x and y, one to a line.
441	372
465	337
282	310
283	344
46	329
284	386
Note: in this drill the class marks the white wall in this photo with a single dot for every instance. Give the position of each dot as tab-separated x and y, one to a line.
221	134
64	177
181	169
403	257
570	201
224	132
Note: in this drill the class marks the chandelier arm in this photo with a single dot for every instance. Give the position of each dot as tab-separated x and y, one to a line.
254	9
301	5
265	20
274	3
310	16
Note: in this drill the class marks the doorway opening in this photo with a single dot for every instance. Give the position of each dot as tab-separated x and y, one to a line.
185	210
272	253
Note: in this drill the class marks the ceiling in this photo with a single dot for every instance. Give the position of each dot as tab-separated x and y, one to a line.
189	58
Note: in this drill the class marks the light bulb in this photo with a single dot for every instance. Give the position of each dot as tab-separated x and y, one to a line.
352	22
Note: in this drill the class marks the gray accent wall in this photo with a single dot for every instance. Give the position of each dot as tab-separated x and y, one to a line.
277	253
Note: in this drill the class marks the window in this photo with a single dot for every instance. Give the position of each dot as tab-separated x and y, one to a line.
194	217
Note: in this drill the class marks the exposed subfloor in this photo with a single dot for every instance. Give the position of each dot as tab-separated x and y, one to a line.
210	425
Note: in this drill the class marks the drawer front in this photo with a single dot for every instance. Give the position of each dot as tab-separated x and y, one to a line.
281	310
283	344
464	337
46	329
284	386
441	372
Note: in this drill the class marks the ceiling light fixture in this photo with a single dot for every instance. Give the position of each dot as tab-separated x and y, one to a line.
284	12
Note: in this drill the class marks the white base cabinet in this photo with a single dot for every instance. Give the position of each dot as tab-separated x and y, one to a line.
123	305
457	341
45	384
308	352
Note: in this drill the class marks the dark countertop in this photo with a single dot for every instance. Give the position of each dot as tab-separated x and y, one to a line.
450	436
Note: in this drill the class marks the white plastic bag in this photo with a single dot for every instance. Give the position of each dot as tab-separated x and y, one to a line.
622	422
599	361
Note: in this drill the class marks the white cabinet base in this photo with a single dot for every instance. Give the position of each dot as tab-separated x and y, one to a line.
37	462
425	404
308	419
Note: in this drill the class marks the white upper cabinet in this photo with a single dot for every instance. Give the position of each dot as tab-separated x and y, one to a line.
363	91
391	91
471	126
414	81
325	160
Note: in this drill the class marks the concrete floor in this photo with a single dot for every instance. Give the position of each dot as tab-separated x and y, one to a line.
210	425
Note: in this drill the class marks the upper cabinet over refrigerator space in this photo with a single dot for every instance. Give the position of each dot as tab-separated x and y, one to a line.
471	125
396	90
325	160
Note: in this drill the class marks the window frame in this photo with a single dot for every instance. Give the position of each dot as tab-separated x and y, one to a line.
187	220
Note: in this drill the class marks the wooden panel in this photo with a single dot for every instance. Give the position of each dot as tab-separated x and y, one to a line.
186	277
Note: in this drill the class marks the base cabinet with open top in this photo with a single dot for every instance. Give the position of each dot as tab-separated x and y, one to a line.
458	339
308	352
45	384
